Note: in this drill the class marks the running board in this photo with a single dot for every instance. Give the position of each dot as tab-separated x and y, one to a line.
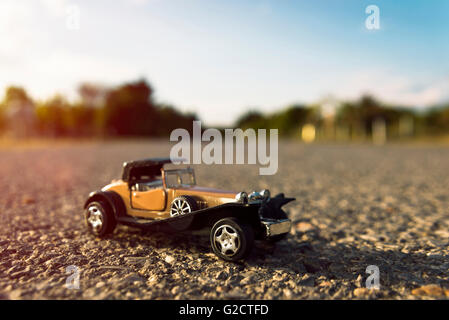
138	222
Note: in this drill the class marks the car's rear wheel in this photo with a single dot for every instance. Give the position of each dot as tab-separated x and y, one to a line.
231	239
99	218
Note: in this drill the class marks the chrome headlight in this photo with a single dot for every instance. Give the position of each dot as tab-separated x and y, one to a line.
242	197
262	195
253	196
265	193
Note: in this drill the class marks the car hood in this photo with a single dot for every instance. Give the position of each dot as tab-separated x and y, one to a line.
209	192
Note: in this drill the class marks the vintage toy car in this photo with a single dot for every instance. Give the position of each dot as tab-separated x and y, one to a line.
151	196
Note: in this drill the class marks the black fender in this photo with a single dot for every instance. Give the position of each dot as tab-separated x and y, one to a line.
110	197
272	208
209	216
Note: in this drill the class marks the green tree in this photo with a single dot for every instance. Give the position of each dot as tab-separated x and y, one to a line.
2	119
287	121
16	94
170	119
130	111
436	120
53	117
18	112
290	120
251	119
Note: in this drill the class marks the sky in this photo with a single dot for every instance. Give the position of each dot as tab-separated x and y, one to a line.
222	58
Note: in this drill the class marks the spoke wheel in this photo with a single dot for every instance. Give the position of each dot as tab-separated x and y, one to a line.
182	205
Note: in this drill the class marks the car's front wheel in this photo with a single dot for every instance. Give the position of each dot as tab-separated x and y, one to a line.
231	239
99	218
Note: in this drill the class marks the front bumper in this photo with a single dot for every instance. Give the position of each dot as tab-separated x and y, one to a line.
275	227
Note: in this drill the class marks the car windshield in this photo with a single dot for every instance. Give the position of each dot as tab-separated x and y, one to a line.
179	178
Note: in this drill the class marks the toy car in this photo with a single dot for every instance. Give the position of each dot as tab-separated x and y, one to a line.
151	196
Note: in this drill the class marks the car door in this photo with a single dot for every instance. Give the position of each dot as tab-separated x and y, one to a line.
151	199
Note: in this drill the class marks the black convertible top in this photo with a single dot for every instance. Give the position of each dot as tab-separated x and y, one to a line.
149	166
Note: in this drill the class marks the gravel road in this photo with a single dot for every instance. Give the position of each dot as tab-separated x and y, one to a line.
356	206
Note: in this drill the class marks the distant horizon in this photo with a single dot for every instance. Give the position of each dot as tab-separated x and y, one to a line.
219	59
320	103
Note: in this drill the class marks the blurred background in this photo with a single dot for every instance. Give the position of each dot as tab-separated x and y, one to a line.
321	71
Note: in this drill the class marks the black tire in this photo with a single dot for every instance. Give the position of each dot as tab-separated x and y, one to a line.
243	241
101	211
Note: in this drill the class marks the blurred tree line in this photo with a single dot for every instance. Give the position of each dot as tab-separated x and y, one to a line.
352	120
288	121
130	110
126	110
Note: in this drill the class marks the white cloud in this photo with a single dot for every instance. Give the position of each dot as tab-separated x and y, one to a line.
55	7
65	70
140	2
393	88
15	20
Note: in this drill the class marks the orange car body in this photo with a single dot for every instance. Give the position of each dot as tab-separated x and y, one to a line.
155	203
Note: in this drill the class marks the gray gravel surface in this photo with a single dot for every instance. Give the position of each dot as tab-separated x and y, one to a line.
356	206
